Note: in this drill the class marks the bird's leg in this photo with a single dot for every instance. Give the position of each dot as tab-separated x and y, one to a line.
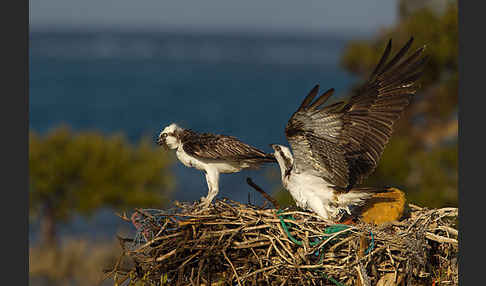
203	199
212	178
316	205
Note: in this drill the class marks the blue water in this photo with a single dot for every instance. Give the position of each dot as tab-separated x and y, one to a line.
242	85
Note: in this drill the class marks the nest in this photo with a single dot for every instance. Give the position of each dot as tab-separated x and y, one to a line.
241	244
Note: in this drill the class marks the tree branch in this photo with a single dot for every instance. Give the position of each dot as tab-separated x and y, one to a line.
264	194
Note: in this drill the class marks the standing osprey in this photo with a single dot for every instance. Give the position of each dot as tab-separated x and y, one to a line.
211	153
338	146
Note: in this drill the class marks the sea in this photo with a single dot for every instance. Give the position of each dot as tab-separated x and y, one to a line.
136	82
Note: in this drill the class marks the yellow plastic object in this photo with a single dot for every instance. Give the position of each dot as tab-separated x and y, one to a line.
384	207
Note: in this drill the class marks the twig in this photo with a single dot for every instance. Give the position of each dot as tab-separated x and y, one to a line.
259	271
165	256
261	191
448	229
232	267
123	216
439	238
364	279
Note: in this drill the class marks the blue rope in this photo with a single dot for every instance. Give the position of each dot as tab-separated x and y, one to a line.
372	243
328	231
332	279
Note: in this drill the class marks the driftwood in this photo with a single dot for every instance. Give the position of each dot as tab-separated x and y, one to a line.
238	244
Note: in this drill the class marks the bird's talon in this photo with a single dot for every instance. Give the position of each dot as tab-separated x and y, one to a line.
204	203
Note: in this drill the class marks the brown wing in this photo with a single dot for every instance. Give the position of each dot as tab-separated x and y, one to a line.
343	142
221	147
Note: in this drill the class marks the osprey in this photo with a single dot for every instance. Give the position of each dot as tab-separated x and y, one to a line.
336	147
211	153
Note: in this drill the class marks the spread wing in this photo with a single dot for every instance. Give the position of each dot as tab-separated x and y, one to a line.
221	147
343	142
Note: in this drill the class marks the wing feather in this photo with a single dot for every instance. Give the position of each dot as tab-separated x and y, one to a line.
385	55
322	99
343	142
222	147
308	99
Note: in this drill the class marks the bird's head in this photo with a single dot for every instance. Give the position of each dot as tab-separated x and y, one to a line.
284	157
168	137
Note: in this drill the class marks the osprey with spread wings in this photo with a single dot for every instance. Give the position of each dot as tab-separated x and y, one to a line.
336	147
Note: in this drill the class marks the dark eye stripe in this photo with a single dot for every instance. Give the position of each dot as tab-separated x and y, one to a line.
287	161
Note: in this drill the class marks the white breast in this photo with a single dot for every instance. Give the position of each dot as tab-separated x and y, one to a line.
312	193
188	160
226	167
201	164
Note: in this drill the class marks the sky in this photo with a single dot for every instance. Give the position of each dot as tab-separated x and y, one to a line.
353	16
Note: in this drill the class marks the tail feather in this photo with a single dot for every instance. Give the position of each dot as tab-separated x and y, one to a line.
369	190
267	158
361	190
256	162
270	158
358	195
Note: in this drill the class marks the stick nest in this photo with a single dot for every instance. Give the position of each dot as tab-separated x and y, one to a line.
238	244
